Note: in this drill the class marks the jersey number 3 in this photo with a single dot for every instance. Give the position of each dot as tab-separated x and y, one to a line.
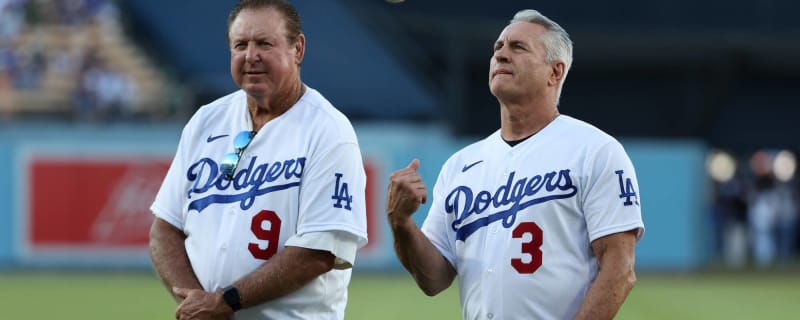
271	234
531	247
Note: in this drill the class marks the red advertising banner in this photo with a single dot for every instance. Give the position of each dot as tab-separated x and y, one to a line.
92	203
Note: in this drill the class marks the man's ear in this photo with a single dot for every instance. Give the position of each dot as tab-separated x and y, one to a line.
557	72
300	48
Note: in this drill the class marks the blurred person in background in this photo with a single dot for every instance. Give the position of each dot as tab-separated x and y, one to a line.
730	221
31	66
270	230
11	23
762	215
540	219
786	220
774	217
6	95
12	20
771	213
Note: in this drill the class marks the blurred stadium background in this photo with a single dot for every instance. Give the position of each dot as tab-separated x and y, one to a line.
703	94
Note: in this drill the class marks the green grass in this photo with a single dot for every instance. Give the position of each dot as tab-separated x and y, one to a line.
83	296
123	296
396	297
715	296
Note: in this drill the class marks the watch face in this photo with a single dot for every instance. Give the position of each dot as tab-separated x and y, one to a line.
232	298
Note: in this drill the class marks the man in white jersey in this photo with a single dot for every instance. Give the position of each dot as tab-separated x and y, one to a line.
262	210
540	219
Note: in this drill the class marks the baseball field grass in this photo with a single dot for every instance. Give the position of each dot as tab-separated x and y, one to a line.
139	295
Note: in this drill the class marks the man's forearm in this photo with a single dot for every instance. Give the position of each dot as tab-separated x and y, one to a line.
432	272
615	279
168	254
287	271
606	295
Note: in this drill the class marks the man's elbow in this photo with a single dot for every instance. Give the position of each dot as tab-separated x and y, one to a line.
431	287
630	279
320	261
431	290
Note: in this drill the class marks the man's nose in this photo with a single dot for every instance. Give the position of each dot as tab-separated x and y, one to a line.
252	55
500	55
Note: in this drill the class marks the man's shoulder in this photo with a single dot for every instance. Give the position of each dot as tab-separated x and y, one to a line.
317	103
327	118
582	132
222	102
217	110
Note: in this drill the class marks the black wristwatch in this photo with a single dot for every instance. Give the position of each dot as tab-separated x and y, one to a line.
232	298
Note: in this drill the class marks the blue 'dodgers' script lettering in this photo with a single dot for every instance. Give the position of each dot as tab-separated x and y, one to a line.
255	180
514	195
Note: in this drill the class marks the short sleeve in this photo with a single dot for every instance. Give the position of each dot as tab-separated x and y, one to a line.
611	201
167	204
341	244
332	196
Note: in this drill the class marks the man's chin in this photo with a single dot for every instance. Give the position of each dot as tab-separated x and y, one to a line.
499	89
256	90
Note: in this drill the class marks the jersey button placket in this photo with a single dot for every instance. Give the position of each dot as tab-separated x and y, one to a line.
509	163
230	223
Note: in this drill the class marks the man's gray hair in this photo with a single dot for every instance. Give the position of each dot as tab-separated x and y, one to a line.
557	44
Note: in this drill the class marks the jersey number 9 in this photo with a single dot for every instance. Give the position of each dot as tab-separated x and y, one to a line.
271	235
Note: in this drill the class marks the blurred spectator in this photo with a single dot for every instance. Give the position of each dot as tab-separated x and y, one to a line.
31	66
12	20
762	217
74	12
115	92
6	84
65	60
786	221
103	11
104	93
730	221
84	102
6	95
773	208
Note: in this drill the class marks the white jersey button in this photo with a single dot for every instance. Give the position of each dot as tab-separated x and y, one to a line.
491	315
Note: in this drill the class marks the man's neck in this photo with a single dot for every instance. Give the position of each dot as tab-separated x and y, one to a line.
518	121
263	109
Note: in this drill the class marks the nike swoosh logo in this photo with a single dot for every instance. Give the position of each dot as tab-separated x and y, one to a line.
466	167
212	138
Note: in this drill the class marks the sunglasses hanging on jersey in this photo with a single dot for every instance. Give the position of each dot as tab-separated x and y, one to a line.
231	160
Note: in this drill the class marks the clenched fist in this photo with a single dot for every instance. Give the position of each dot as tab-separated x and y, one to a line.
406	192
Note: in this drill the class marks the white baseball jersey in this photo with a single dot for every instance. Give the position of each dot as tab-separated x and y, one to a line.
300	182
517	222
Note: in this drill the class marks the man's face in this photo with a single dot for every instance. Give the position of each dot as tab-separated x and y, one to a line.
518	67
263	62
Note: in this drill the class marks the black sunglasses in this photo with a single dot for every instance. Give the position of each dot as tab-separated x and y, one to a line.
231	160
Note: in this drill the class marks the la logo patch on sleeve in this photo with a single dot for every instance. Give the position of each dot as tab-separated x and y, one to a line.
627	190
341	193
